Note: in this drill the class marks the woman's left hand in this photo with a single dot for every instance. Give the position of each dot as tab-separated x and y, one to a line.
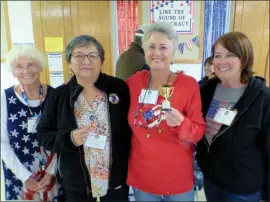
46	180
173	118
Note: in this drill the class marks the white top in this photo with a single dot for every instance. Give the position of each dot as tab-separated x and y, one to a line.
7	154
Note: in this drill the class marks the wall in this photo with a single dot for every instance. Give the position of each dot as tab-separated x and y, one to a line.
20	21
115	31
4	43
252	18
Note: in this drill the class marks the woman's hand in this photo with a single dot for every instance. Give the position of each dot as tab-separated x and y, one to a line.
31	184
47	180
79	136
173	118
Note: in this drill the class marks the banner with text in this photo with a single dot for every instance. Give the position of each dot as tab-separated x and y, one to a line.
178	13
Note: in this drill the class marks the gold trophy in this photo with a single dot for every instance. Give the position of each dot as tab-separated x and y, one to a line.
166	91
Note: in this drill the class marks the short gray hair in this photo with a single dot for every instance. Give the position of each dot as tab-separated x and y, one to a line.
84	41
161	27
20	51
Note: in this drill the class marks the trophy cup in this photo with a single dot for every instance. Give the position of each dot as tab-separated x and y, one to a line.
166	91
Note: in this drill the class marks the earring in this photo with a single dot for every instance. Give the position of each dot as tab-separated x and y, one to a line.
71	73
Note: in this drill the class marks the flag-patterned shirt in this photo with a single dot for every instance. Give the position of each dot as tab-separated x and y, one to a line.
223	98
20	150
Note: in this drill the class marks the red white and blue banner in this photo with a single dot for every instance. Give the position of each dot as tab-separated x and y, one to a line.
178	13
189	44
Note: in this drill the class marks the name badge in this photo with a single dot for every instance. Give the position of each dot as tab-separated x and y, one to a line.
148	96
32	124
96	141
225	116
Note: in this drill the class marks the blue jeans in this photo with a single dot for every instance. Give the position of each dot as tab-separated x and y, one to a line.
144	196
214	193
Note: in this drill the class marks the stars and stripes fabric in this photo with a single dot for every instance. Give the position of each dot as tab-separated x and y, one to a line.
189	44
153	116
196	41
26	149
212	126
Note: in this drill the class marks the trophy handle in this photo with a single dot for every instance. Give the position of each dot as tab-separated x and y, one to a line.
160	91
171	91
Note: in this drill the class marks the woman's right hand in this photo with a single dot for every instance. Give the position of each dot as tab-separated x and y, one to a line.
31	184
79	136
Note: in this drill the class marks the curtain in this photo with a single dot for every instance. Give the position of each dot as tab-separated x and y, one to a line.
217	21
127	20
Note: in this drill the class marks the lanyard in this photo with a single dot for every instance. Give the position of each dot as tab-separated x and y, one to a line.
140	104
139	107
27	101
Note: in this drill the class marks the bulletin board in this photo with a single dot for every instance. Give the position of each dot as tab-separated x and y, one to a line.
187	18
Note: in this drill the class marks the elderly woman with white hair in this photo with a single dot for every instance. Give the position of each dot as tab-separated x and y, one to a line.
28	168
166	120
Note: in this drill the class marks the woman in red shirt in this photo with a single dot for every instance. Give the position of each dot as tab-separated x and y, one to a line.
161	160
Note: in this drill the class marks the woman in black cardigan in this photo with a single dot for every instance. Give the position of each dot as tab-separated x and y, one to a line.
85	122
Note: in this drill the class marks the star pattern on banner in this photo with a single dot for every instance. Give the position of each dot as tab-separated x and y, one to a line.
181	47
196	41
188	43
165	3
160	4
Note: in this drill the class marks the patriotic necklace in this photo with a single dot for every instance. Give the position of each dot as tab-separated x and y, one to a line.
140	106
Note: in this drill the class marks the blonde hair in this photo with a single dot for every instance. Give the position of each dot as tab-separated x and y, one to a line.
20	51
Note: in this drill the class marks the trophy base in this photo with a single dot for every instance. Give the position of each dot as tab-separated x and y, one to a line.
166	110
166	106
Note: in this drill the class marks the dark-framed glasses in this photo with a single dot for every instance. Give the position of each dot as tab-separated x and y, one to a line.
79	57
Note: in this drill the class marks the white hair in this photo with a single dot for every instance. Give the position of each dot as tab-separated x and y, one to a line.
161	27
144	27
20	51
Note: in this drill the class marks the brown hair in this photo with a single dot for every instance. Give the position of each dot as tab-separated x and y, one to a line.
238	44
208	61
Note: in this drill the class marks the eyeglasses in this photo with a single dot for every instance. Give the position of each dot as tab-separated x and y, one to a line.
79	57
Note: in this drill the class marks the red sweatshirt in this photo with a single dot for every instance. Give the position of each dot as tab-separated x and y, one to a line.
163	163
